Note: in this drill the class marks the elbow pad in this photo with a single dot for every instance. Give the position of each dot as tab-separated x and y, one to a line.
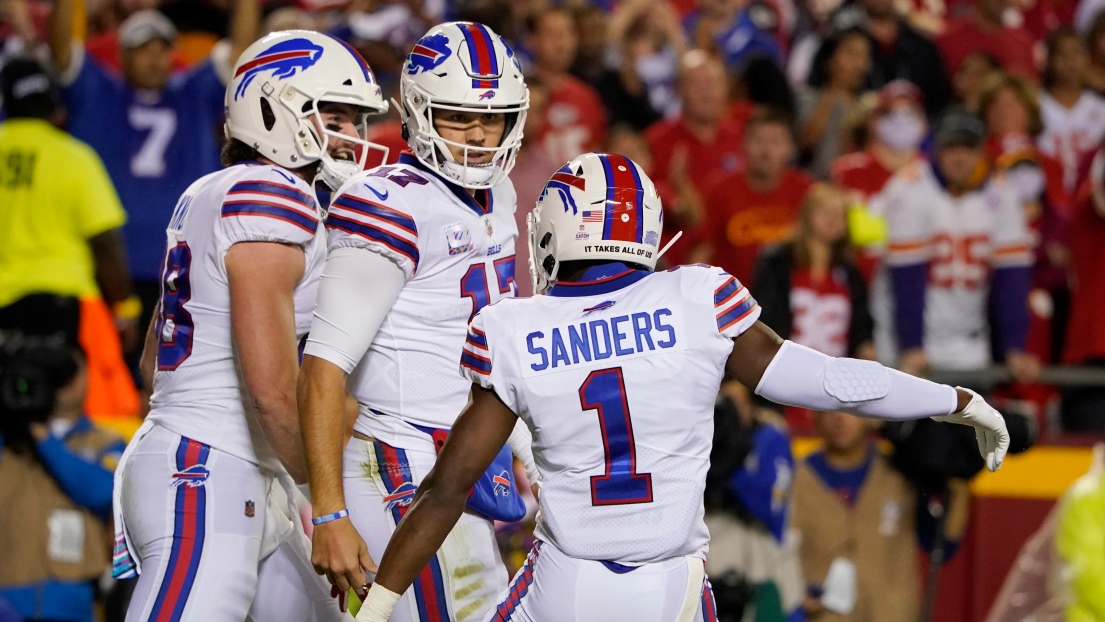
799	376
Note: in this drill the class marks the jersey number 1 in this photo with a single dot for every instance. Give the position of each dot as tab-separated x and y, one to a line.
621	484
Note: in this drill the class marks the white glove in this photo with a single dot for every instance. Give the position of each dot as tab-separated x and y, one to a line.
989	425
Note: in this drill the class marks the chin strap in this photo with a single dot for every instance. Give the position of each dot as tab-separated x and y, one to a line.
677	235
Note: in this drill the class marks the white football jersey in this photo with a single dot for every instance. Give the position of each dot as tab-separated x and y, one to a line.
616	378
961	239
198	392
1071	133
458	257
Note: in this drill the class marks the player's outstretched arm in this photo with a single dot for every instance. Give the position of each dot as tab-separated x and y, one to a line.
480	432
787	373
263	277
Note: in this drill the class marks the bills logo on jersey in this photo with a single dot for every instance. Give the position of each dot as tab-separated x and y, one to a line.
284	60
428	53
402	496
193	477
502	484
602	306
488	94
459	238
562	182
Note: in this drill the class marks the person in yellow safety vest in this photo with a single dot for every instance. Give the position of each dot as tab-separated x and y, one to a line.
1080	542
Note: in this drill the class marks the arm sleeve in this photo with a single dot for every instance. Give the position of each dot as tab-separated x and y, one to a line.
98	208
799	376
475	357
357	290
734	307
364	216
269	205
89	485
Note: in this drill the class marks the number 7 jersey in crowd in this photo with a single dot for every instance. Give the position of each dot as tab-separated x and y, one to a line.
198	392
457	253
616	376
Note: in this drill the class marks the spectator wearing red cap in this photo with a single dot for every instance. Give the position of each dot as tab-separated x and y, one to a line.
687	149
1073	115
757	205
576	120
983	30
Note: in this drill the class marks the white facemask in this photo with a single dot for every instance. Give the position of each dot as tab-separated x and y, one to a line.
901	131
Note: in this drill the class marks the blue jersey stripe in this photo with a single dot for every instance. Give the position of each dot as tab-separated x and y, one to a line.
370	232
268	187
477	338
475	363
383	212
726	291
733	315
270	210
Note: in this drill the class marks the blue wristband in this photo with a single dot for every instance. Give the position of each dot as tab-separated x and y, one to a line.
318	520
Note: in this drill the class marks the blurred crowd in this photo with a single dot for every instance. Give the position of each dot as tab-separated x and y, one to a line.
918	182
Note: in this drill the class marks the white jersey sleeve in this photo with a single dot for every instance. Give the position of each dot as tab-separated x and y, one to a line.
269	205
734	305
908	221
476	363
1010	239
372	213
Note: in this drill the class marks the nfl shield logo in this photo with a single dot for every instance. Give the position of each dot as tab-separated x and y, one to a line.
250	509
487	223
458	238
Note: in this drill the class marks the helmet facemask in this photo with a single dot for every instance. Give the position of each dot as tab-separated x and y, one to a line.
314	140
434	150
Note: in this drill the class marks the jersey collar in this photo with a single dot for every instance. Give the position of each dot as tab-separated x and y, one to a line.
601	279
473	203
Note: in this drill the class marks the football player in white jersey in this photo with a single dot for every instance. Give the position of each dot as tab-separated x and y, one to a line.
615	371
205	504
415	251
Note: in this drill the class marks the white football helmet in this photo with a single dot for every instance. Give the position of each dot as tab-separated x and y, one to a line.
276	88
463	66
599	206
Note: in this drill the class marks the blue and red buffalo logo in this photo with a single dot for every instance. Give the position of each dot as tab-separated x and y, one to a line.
192	477
563	181
402	496
428	53
284	60
602	306
487	95
502	484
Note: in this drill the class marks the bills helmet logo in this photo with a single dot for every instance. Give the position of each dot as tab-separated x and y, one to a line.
402	496
562	182
602	306
428	53
284	60
487	95
502	484
193	477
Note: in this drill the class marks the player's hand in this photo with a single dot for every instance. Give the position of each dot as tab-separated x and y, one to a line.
339	553
1023	366
989	425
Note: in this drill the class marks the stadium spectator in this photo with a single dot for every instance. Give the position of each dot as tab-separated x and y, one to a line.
956	236
59	234
1080	544
854	510
976	70
810	290
1012	114
575	121
1084	408
530	173
687	149
56	475
899	51
757	205
838	79
983	29
1095	46
156	132
1073	115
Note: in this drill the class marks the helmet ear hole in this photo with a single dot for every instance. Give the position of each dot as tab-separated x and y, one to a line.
548	264
268	117
545	240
